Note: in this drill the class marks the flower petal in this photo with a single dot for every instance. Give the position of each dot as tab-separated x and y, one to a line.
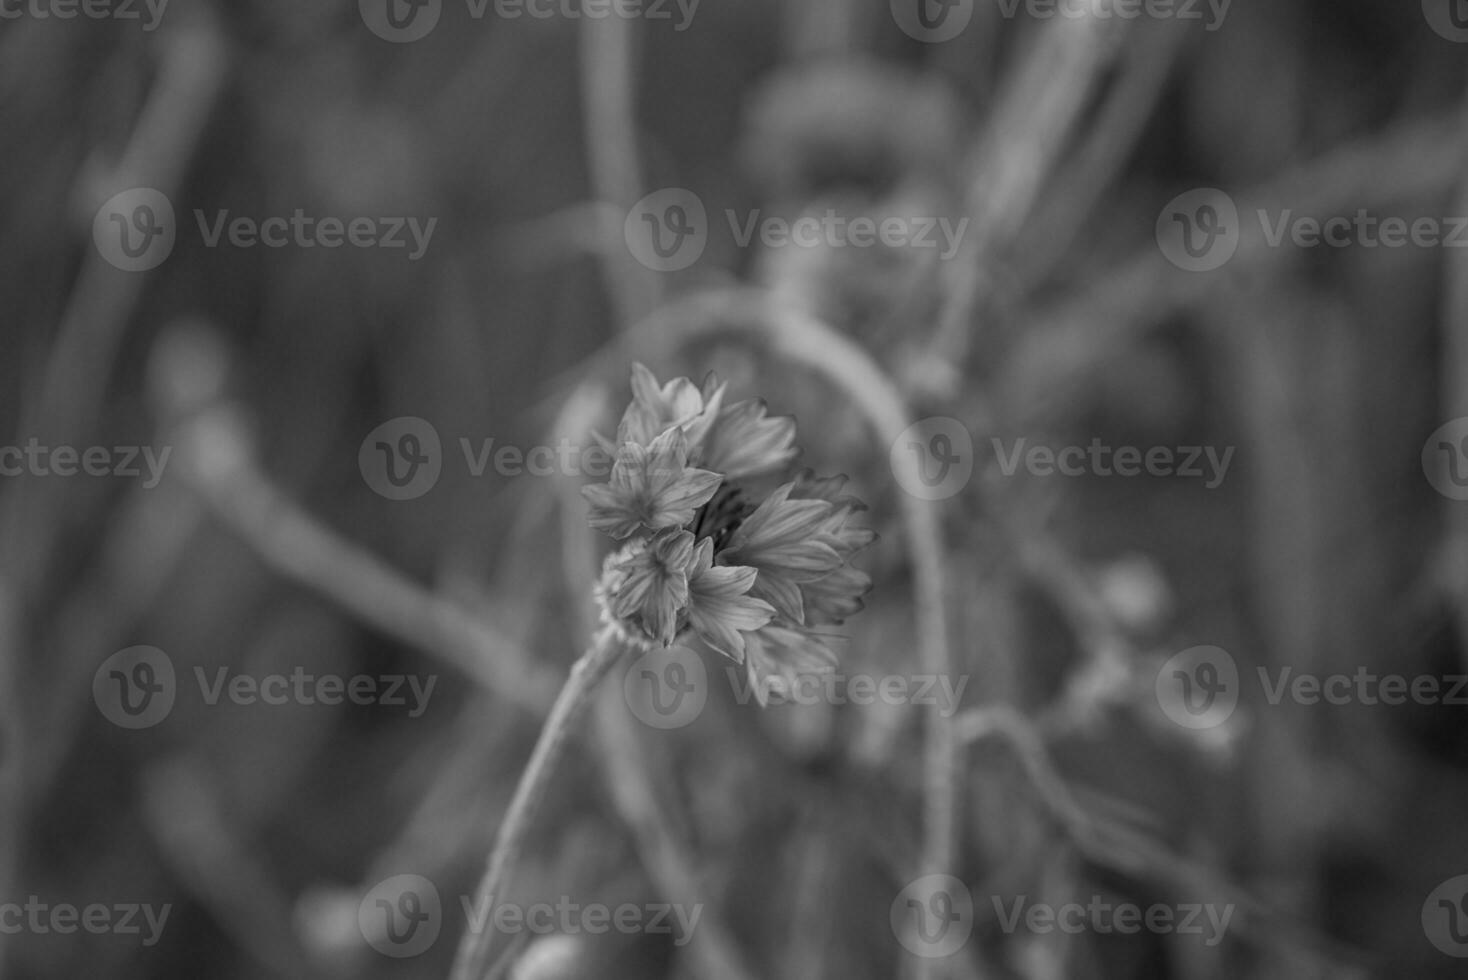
719	608
745	441
611	512
676	490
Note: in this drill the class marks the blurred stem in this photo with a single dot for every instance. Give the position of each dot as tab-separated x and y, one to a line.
296	545
568	710
1043	103
1454	403
607	87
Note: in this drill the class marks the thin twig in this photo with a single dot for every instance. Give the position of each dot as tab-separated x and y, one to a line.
586	674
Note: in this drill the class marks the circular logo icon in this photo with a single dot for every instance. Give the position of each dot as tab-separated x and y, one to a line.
400	21
666	688
1199	231
932	21
933	916
1445	459
135	230
933	459
1199	688
135	688
668	230
1449	18
402	458
1445	916
401	917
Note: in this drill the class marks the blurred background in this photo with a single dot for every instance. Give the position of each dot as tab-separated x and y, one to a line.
248	245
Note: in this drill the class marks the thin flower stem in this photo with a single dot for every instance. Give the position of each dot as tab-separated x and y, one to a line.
571	704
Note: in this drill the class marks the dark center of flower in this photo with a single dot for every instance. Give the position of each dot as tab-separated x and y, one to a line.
721	516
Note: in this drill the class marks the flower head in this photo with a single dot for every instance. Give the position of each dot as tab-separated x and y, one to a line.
751	579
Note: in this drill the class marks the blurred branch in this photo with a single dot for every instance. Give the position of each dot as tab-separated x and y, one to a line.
608	87
190	78
186	820
145	544
1032	125
73	383
1091	171
1065	342
1106	671
299	547
1454	400
1111	844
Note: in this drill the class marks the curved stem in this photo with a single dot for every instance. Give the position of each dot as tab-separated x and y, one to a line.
570	706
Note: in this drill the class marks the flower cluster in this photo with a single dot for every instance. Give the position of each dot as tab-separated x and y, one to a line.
752	581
